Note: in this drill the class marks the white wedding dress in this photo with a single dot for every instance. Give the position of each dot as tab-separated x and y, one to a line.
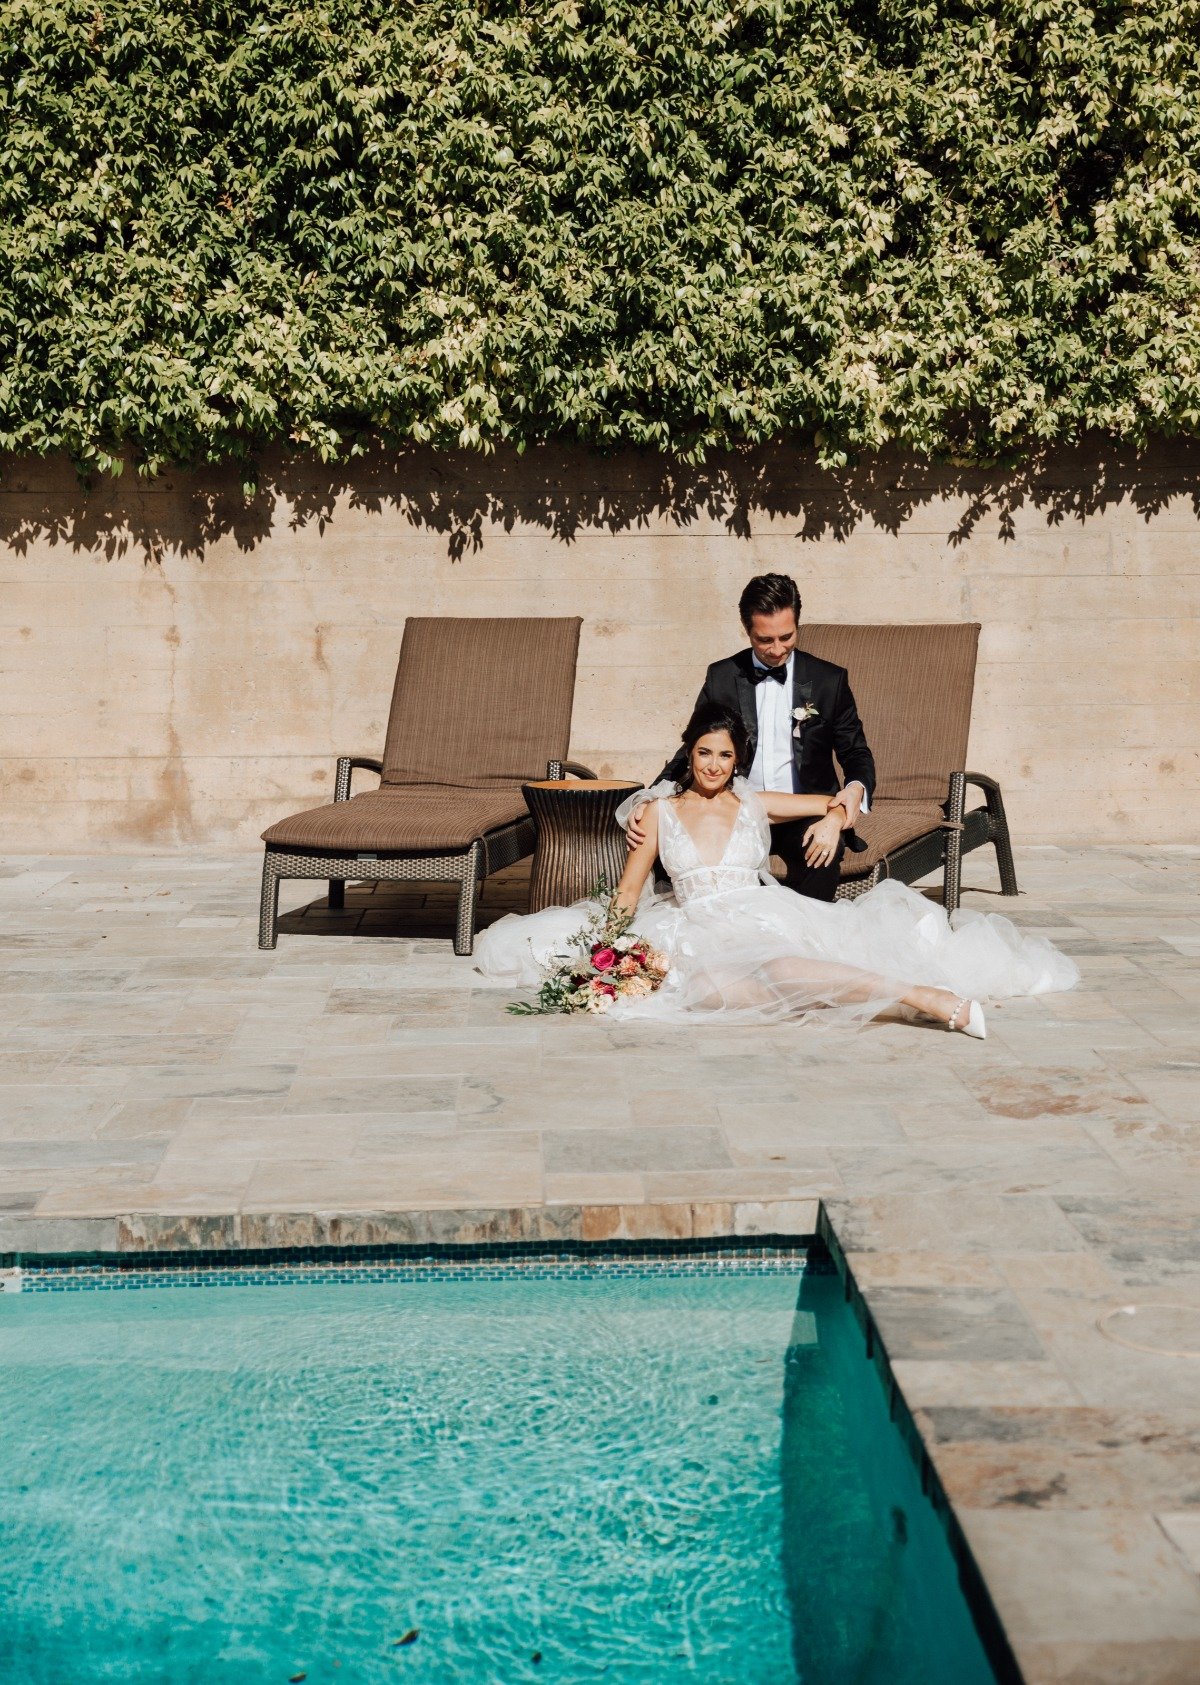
741	944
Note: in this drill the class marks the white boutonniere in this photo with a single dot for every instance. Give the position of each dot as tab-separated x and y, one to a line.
802	715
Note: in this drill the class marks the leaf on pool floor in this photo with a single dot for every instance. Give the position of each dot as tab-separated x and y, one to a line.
410	1637
295	1678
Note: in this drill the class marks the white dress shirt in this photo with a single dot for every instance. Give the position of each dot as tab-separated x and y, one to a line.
774	764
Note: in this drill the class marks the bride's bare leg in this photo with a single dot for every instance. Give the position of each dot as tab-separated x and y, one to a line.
845	983
808	983
933	1003
829	984
816	983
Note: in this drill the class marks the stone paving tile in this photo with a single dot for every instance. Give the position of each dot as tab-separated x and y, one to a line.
165	1084
27	1111
46	1154
1183	1530
1165	1662
1075	1457
124	1051
955	1323
754	1136
972	1221
399	1003
242	1082
1057	1575
1080	1165
384	1059
1142	1238
925	1269
392	1184
482	1102
594	1188
252	1136
640	1148
1065	1298
742	1182
389	1095
28	1064
932	1381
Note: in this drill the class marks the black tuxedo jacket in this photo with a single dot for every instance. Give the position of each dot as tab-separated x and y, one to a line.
835	729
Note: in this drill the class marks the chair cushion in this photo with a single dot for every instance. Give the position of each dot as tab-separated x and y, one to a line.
481	703
421	819
888	826
913	686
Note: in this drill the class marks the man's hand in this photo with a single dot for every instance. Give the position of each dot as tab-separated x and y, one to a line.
821	841
635	836
851	798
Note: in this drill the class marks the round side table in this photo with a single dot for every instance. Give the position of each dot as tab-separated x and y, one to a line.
578	840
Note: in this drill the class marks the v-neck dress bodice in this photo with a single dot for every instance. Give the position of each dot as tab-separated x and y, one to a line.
741	944
739	868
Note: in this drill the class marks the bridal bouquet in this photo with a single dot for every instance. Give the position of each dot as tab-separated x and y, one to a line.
604	962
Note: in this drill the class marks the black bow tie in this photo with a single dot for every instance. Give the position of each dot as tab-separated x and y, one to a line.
779	674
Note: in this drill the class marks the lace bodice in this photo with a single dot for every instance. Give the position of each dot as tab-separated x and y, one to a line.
740	867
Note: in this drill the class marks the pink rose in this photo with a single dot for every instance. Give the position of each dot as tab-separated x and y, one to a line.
603	959
602	988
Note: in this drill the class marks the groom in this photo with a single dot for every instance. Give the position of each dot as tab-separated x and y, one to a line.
799	713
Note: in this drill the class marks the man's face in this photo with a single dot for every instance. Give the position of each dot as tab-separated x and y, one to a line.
773	636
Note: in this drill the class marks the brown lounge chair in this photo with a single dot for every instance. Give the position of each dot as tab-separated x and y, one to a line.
913	686
479	708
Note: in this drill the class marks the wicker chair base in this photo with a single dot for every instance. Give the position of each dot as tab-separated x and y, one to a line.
943	849
467	868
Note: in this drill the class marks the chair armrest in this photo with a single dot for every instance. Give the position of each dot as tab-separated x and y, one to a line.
560	769
345	767
997	818
956	801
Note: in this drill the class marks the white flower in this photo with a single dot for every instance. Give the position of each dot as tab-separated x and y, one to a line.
809	711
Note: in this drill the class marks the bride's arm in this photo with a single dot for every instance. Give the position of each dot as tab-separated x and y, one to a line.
780	806
640	863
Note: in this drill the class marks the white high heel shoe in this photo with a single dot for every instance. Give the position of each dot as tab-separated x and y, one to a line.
973	1024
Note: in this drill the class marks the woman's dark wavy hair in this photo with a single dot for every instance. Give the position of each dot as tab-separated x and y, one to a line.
715	718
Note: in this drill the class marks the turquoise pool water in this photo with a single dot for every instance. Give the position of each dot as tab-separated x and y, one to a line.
625	1474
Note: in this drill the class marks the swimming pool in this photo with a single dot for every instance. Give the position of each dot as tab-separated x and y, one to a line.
658	1470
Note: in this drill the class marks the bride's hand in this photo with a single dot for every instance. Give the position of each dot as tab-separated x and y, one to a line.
821	842
635	836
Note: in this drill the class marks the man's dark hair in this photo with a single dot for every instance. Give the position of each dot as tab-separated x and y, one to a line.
769	593
715	718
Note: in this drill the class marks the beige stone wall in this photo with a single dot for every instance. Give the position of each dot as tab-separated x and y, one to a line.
181	667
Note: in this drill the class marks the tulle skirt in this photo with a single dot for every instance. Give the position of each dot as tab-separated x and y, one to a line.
765	954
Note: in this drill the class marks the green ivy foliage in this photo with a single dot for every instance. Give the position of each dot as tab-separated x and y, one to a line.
966	227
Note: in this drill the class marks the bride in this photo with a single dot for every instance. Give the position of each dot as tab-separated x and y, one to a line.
741	944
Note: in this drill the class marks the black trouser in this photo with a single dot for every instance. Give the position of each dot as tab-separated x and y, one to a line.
820	882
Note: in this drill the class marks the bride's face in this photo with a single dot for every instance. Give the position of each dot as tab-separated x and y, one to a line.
714	762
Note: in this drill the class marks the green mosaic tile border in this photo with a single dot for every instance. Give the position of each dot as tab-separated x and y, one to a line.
564	1262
